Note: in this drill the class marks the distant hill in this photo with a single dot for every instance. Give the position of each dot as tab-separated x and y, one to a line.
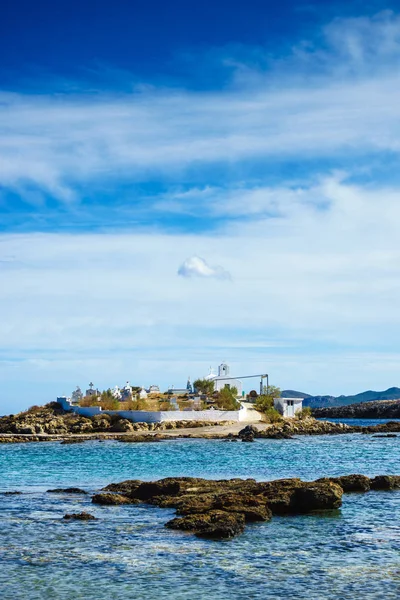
392	393
294	394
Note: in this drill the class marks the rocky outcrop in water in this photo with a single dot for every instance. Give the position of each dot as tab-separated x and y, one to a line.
70	490
82	516
214	525
380	409
220	509
288	428
112	499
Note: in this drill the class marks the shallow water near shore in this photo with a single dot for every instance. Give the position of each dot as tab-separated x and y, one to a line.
128	553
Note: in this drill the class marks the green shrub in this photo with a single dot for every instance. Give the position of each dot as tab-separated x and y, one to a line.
264	403
304	413
226	399
271	415
204	386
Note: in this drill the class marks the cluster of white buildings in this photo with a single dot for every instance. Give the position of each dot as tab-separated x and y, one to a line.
288	407
120	393
224	379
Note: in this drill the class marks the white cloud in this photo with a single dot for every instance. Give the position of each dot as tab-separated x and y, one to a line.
313	300
316	262
63	143
198	267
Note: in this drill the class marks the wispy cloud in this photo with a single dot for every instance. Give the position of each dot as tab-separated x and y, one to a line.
198	267
313	245
65	144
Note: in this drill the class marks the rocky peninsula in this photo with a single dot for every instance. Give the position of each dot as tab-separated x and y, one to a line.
379	409
52	423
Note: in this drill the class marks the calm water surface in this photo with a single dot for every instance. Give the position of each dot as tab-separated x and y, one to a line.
128	553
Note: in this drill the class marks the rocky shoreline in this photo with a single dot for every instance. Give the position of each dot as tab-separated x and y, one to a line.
216	431
221	509
379	409
50	423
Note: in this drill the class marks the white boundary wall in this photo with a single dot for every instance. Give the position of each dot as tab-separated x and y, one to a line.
142	416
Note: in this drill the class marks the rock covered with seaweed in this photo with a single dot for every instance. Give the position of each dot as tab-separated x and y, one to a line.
221	509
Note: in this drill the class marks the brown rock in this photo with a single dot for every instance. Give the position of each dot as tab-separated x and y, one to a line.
350	483
126	488
70	490
141	438
385	482
215	524
83	516
122	426
317	496
112	499
165	487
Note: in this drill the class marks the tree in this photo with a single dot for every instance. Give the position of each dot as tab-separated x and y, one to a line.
204	386
265	401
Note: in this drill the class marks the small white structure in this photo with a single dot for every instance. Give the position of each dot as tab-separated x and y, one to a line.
174	402
116	392
142	394
153	389
91	391
288	407
197	403
126	391
211	375
223	379
178	391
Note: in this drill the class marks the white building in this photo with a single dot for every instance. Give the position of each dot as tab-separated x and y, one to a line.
116	392
224	379
142	394
288	407
91	391
153	389
126	392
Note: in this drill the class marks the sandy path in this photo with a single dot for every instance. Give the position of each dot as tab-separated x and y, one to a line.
192	432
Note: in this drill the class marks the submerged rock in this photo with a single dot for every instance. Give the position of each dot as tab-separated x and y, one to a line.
70	490
216	524
83	516
142	438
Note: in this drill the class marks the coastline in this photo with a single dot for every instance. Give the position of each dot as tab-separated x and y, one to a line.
232	431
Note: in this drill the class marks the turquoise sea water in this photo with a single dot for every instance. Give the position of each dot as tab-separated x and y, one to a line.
127	553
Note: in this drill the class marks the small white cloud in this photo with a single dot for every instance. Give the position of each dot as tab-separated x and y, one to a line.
198	267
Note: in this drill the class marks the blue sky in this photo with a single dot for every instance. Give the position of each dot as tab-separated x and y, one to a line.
184	183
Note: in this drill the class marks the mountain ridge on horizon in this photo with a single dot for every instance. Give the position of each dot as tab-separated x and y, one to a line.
392	393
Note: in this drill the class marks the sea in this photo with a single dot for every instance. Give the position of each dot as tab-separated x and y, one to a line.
128	553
